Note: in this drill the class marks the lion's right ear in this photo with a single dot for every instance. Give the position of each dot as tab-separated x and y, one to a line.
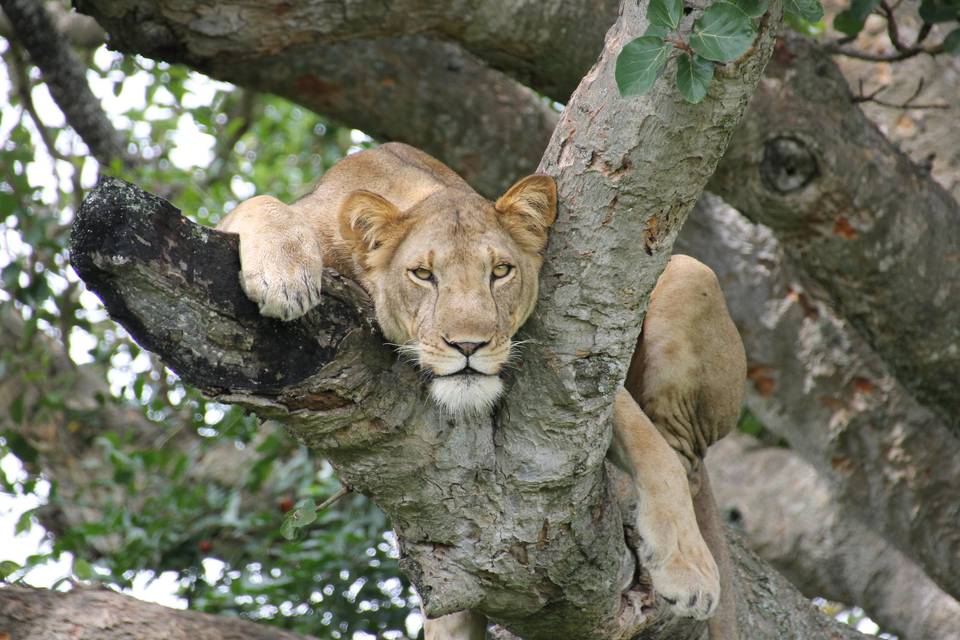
369	224
528	208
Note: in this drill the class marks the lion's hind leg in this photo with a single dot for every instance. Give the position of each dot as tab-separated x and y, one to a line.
671	548
281	257
462	625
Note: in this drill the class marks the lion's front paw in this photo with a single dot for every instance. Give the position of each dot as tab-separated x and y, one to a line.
283	276
689	582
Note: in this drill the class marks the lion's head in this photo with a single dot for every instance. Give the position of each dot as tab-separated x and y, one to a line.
453	278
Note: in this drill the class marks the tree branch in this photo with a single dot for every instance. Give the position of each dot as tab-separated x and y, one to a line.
818	385
792	521
86	613
873	232
548	44
81	31
64	75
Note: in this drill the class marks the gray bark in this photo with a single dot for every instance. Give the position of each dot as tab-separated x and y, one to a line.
510	516
816	383
79	30
792	521
876	234
548	44
86	613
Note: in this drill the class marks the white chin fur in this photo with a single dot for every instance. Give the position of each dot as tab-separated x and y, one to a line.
466	394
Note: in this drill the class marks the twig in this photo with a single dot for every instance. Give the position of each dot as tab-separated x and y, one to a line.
679	44
906	104
903	51
342	491
884	57
893	30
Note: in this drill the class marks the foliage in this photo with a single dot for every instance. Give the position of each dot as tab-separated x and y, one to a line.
722	33
726	30
222	539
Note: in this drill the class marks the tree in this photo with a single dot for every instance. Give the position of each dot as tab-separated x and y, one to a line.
599	172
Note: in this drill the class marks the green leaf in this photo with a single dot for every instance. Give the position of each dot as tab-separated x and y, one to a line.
940	10
639	63
24	522
850	21
809	10
753	8
723	33
652	30
798	24
951	44
82	569
302	514
693	77
16	410
665	13
8	568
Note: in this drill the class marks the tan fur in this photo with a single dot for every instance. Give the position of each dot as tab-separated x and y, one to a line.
385	215
382	215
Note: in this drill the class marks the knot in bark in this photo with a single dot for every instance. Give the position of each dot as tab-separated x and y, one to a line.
788	164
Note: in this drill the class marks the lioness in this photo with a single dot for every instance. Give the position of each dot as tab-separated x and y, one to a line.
453	276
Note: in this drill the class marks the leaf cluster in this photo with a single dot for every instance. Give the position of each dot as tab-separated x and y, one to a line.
723	33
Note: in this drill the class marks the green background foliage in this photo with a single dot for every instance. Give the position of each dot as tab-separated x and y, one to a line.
335	577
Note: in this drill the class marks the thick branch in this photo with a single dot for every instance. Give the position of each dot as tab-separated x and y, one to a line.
817	384
549	44
99	614
873	231
81	31
792	521
64	75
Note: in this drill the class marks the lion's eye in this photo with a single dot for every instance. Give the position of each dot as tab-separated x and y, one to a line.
423	274
502	270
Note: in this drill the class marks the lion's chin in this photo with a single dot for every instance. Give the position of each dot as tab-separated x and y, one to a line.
466	394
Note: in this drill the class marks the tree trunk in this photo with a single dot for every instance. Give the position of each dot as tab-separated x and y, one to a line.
883	250
86	613
815	382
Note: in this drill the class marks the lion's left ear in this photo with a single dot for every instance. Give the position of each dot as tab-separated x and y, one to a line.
528	208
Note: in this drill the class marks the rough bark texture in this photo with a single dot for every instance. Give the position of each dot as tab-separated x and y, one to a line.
410	89
771	608
66	80
818	385
792	521
80	31
511	516
548	44
873	231
96	614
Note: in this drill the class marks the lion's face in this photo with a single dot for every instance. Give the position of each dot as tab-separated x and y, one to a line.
453	278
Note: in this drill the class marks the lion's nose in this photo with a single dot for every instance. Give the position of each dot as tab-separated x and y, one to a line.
467	348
